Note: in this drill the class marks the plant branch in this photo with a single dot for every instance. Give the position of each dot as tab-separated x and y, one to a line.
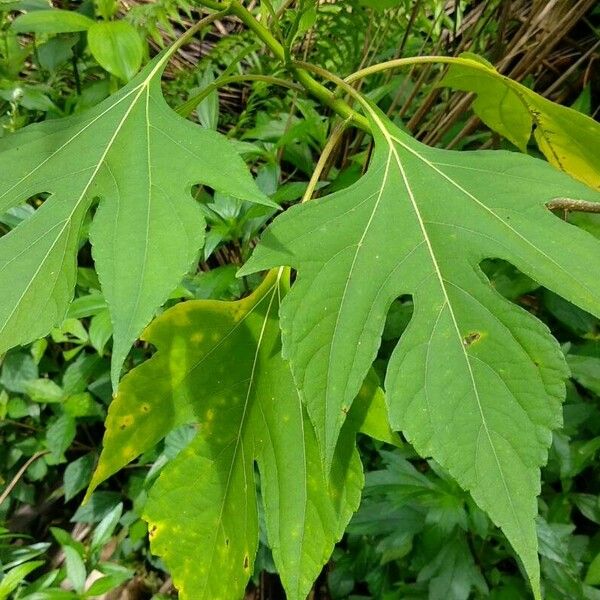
569	204
342	85
192	31
342	108
9	488
416	60
329	148
188	106
214	4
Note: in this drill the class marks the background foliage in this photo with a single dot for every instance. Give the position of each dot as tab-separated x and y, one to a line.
416	534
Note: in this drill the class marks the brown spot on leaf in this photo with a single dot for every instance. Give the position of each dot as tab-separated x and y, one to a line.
125	422
471	338
246	562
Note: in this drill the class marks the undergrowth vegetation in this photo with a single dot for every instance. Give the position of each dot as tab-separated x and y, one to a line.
350	465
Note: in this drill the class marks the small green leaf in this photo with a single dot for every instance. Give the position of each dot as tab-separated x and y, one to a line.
106	8
117	47
592	576
586	371
97	506
452	574
76	572
60	434
51	21
106	527
11	580
64	539
77	475
208	109
100	330
105	584
44	390
369	413
78	374
56	51
18	368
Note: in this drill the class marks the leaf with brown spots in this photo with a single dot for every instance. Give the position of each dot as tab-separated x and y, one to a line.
475	381
219	364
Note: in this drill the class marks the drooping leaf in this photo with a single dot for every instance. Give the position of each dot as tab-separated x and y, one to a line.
475	381
219	365
140	159
567	137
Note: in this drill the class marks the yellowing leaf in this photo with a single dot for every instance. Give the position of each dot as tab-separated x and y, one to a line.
219	365
140	159
568	138
475	382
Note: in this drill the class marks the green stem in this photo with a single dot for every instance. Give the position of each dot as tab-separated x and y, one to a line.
189	105
341	107
341	83
244	15
332	142
416	60
309	83
192	31
214	4
274	19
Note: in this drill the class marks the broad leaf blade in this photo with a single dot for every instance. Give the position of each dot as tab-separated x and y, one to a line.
475	382
140	159
219	364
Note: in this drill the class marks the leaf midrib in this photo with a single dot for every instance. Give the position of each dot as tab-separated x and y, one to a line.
328	453
140	279
392	151
484	207
484	423
69	141
243	417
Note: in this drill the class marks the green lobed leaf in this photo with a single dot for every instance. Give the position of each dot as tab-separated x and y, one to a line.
140	159
475	381
567	137
219	365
